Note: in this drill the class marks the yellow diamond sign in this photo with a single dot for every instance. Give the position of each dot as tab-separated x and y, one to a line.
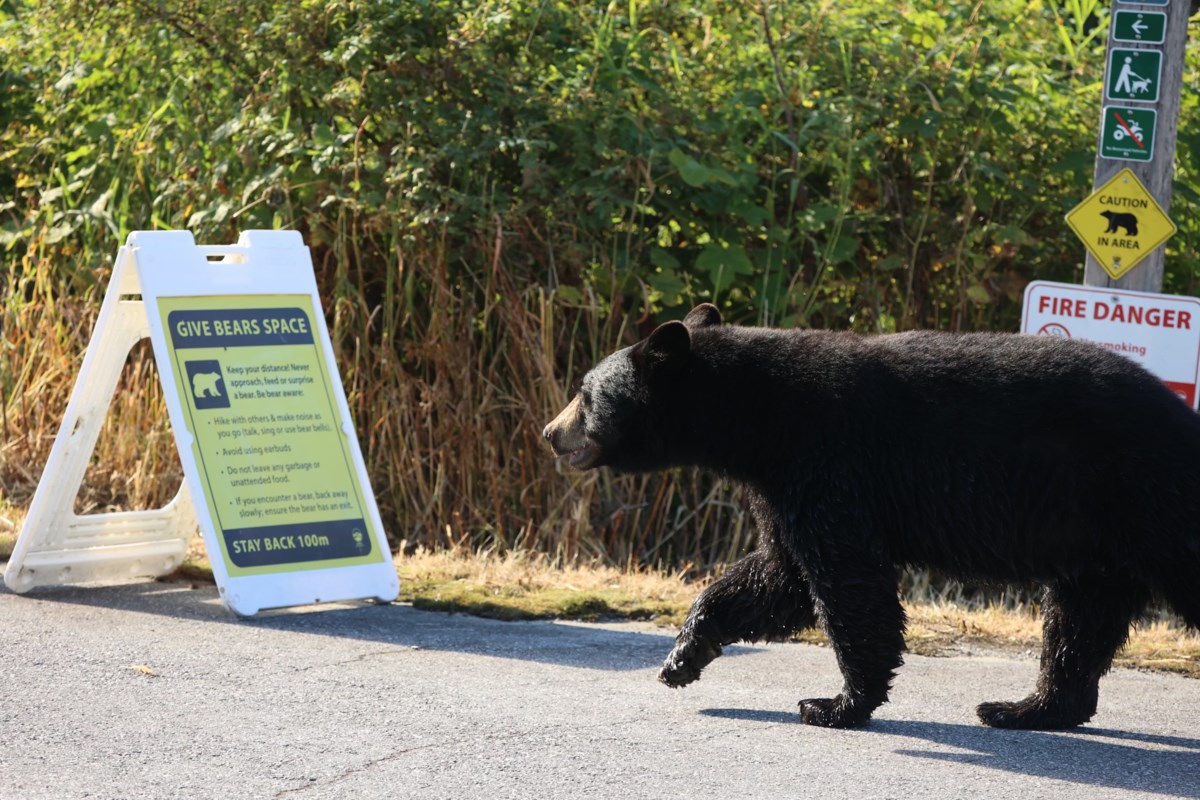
1121	223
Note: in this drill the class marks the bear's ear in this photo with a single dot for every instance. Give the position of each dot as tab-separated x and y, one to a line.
702	316
668	344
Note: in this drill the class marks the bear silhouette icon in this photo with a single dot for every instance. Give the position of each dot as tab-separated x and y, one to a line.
1117	219
204	384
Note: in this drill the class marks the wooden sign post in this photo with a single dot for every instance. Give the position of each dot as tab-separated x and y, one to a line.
1143	81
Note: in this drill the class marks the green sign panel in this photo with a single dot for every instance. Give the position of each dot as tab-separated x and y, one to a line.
1147	27
268	437
1133	74
1128	133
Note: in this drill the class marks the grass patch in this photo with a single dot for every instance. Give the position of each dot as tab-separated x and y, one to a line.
11	519
1162	646
529	587
945	628
937	629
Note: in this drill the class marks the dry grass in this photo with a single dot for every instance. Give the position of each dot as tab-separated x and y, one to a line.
1162	645
449	393
941	628
520	586
44	336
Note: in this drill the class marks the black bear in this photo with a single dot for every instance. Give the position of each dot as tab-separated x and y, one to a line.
987	456
1117	219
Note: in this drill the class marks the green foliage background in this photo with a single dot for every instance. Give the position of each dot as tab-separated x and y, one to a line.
498	192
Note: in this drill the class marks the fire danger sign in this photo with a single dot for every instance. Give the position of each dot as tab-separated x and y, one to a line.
1159	331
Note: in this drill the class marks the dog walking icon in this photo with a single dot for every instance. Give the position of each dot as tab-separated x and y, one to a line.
1133	75
1130	81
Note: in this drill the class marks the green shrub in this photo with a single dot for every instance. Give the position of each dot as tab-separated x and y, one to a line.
496	193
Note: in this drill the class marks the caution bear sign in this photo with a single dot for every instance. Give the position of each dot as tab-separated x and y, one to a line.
1121	223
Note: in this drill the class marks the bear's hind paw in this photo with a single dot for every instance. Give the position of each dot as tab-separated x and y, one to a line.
1032	713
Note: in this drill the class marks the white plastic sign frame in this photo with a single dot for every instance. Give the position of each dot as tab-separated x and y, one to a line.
58	546
261	422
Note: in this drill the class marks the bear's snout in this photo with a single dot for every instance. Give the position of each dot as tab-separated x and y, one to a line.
567	437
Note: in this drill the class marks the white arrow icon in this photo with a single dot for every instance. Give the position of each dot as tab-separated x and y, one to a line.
1138	27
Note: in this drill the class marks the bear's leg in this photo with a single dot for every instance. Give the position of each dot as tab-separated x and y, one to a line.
1085	622
761	598
1184	598
862	615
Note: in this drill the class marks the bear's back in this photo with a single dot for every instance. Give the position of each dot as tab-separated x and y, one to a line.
1092	431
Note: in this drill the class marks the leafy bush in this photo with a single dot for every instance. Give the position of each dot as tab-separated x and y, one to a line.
498	192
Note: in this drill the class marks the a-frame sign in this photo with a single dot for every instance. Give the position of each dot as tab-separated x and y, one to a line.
273	474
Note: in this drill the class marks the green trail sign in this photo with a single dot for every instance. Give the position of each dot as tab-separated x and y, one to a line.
1128	133
1146	27
1133	75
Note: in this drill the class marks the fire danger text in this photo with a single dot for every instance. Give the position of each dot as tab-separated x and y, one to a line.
1104	311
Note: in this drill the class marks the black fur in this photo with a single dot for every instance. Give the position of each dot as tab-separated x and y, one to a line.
985	456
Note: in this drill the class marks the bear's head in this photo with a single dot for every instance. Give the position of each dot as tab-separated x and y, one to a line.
623	410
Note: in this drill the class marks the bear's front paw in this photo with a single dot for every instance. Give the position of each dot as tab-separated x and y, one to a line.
686	661
835	712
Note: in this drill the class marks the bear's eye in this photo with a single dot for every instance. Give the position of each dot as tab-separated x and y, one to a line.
586	397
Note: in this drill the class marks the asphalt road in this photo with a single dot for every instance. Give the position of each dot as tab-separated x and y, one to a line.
153	691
